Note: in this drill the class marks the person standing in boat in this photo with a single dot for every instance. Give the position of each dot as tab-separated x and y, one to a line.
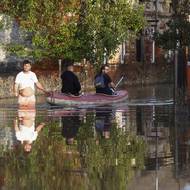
103	83
70	82
24	87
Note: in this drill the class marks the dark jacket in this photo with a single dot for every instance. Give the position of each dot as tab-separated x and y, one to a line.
70	83
106	89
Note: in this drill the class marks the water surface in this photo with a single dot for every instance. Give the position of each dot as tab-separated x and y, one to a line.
137	144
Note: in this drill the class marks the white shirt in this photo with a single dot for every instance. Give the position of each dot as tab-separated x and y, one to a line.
26	133
26	80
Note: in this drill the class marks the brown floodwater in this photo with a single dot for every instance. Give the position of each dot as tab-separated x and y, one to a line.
139	144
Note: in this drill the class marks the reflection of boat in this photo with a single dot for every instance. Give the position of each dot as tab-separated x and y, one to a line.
58	98
63	112
150	102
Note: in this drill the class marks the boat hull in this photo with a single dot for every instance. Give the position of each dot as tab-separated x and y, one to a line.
58	98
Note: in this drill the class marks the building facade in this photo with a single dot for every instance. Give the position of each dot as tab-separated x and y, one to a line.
143	49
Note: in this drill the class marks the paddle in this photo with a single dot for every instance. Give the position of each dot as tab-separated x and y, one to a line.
117	84
119	81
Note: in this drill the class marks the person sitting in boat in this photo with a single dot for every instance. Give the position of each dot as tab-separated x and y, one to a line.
70	82
103	82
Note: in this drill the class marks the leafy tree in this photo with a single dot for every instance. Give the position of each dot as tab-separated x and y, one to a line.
51	25
177	36
104	25
178	28
74	28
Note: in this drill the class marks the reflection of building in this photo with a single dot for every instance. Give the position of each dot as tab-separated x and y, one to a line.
168	161
182	149
159	148
153	124
159	138
148	180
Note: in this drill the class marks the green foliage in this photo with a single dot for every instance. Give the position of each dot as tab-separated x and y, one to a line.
52	24
4	22
178	32
104	25
1	24
75	29
18	49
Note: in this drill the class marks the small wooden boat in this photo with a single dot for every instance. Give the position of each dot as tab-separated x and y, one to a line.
58	98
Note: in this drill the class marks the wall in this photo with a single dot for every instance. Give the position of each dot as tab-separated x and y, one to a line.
9	34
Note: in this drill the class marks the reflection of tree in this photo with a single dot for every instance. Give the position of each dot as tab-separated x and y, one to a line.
53	165
110	159
50	165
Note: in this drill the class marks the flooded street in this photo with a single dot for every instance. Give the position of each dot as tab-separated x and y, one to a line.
136	145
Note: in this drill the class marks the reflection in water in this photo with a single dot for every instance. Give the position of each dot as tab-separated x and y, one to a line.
139	120
70	127
110	162
101	149
103	122
111	148
187	187
76	161
25	129
182	146
155	124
